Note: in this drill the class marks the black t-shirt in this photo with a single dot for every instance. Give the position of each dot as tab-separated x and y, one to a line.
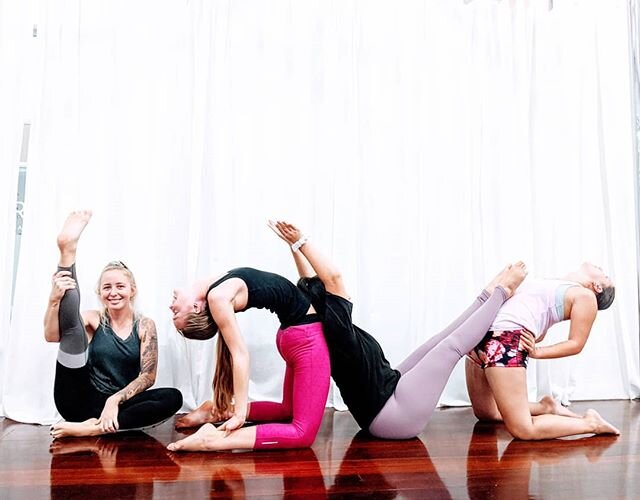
271	291
358	366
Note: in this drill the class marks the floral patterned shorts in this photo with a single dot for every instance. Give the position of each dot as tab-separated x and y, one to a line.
500	349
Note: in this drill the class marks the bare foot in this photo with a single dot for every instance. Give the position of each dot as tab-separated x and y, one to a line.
76	429
496	280
204	439
201	415
509	279
600	425
70	234
553	407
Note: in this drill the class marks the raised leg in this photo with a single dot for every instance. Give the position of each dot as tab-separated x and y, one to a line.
410	407
72	351
508	280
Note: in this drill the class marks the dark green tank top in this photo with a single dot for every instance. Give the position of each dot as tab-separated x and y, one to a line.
113	362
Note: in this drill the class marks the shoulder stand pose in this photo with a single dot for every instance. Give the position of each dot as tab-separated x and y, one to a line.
210	305
388	403
496	368
107	359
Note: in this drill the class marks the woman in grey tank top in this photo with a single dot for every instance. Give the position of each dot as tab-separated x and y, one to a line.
107	360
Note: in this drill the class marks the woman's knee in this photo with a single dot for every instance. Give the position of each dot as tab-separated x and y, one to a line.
172	398
521	430
176	398
305	433
306	439
487	414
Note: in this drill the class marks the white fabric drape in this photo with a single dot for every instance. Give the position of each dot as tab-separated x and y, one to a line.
11	125
422	144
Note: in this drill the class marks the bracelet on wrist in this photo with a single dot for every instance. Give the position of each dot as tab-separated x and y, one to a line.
296	246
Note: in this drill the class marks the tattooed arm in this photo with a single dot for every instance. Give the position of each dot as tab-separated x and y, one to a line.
146	378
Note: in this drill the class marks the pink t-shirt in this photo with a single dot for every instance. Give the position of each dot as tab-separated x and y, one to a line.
537	305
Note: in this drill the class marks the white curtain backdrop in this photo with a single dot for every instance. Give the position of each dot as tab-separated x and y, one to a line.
11	124
422	144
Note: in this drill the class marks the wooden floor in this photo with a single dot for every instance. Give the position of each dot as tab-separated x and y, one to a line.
454	458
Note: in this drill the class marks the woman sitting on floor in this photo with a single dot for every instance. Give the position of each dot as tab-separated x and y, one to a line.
107	359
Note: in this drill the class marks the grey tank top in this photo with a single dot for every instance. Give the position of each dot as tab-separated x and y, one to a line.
113	362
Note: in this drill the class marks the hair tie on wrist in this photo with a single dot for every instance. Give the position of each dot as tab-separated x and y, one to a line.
296	246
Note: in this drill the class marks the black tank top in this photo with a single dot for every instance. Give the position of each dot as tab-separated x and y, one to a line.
274	292
113	362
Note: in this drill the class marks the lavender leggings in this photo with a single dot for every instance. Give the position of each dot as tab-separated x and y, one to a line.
426	371
304	394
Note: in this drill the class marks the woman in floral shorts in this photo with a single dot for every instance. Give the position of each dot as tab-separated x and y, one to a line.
502	348
496	367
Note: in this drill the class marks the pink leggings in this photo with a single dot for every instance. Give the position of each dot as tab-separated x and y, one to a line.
304	394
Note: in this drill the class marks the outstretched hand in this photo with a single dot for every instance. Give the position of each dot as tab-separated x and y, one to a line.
273	226
287	232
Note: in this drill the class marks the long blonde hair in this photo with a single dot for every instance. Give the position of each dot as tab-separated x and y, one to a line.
223	378
200	326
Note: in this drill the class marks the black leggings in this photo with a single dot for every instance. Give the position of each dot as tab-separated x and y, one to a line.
77	400
75	396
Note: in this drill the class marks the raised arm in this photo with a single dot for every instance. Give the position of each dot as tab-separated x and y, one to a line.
145	379
302	264
323	267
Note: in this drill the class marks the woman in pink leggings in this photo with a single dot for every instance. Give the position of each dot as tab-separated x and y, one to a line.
209	307
389	403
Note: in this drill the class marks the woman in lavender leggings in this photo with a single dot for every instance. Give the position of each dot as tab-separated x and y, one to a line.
390	404
209	306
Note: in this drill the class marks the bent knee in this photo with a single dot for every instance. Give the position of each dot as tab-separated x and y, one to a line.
522	431
487	414
176	400
306	440
301	439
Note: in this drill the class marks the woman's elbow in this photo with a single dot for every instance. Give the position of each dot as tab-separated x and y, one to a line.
575	349
334	278
150	379
51	337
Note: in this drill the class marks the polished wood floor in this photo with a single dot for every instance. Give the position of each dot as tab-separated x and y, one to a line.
455	457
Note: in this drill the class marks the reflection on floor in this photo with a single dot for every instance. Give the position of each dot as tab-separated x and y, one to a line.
455	457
